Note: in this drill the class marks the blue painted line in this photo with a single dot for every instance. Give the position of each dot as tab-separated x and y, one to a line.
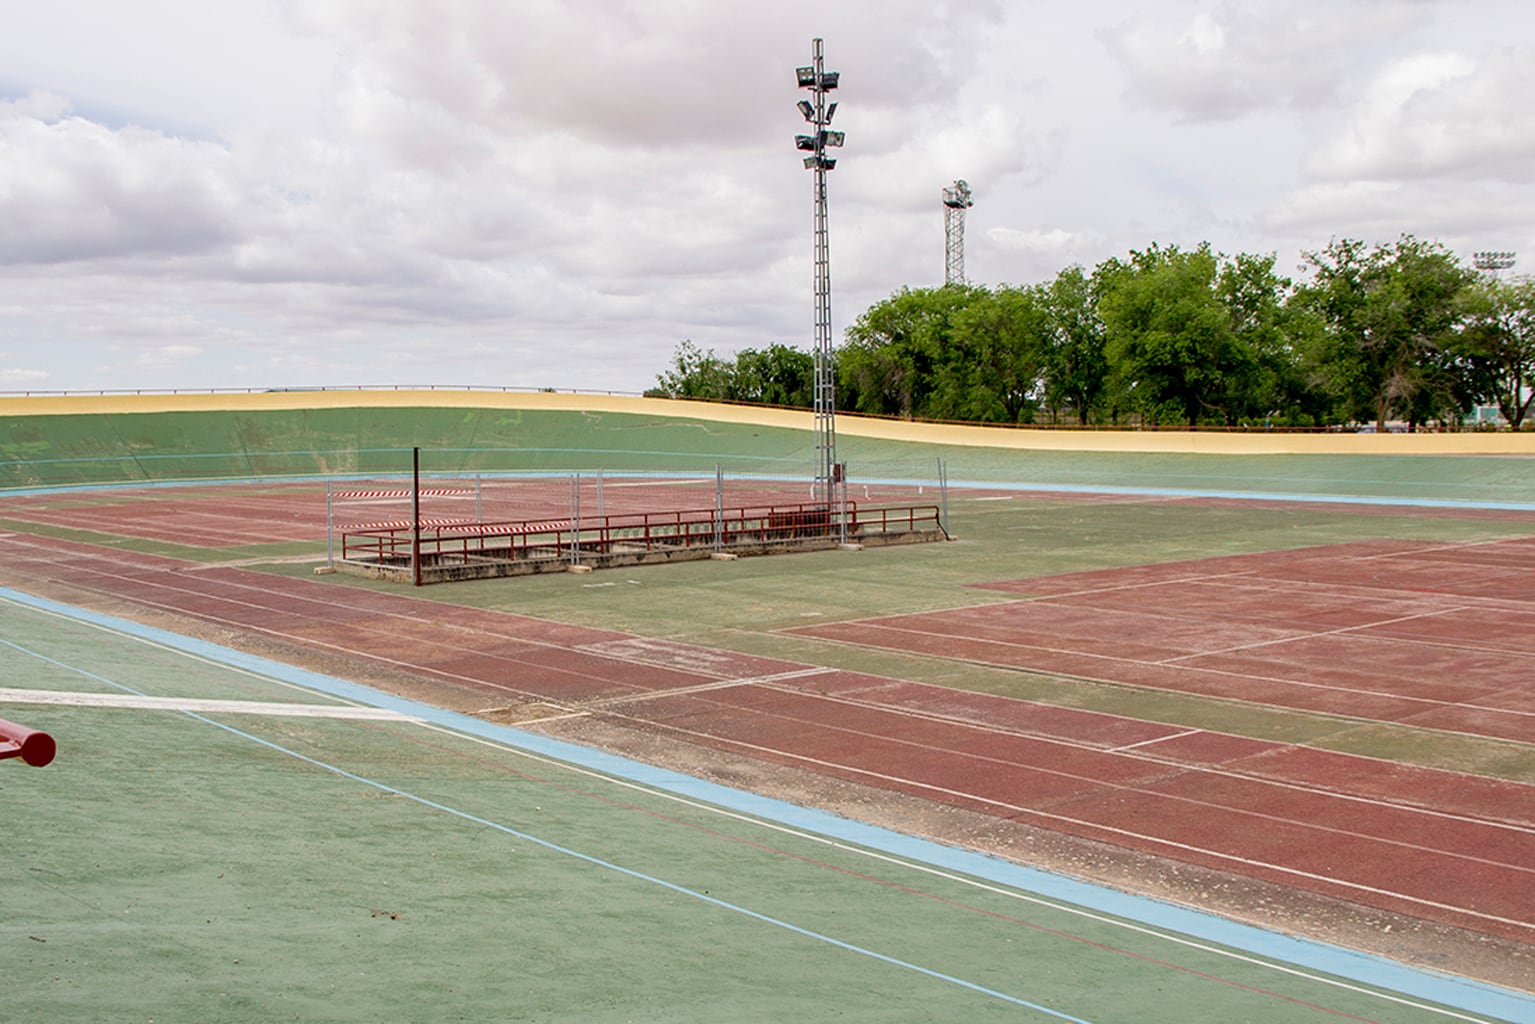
1364	968
651	879
568	851
1308	497
1320	498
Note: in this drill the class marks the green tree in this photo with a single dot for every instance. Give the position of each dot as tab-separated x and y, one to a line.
990	369
1499	338
1175	353
694	374
1266	329
1390	316
776	375
888	362
1075	368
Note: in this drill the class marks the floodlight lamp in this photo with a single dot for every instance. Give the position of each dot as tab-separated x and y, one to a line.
958	195
809	163
832	138
831	108
1494	260
829	80
805	142
808	110
806	77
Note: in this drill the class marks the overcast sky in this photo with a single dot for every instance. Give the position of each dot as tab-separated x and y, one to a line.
283	193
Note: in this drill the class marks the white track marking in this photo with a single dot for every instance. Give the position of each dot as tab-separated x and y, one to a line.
1151	757
243	707
1158	739
724	684
949	876
1192	769
576	712
1020	810
1315	634
879	856
1429	702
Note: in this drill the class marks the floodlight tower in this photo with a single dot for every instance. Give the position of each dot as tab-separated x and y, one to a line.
819	113
1493	261
956	200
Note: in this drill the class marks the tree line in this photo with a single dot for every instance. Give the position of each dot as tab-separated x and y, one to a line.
1390	333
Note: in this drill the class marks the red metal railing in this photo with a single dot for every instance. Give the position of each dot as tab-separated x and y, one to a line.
446	543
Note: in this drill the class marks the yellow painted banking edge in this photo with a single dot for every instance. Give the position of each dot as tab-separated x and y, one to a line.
1254	442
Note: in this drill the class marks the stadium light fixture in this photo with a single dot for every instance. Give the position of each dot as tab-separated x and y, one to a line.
1493	260
818	112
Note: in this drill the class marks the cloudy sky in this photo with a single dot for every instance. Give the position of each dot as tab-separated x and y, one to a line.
283	193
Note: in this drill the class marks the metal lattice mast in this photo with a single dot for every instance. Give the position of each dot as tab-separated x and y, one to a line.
956	200
819	113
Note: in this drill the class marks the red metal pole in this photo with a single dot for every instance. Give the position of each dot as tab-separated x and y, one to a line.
415	515
33	747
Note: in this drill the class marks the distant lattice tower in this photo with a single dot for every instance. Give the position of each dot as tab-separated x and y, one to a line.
956	200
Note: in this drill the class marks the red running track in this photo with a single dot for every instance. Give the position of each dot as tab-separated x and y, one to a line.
1433	636
235	515
1438	845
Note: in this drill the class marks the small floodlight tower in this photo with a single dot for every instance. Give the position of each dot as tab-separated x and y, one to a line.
1493	261
956	200
819	113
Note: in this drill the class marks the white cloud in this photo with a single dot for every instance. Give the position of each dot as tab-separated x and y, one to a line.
163	355
15	377
1056	245
342	191
73	190
1233	59
35	105
1440	114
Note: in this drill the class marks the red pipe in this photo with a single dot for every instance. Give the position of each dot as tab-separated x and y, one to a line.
33	747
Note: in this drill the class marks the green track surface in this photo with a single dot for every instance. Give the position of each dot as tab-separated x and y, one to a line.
177	867
168	869
55	450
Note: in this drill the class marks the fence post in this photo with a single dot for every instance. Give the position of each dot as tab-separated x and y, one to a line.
841	476
719	507
575	519
330	527
943	495
415	516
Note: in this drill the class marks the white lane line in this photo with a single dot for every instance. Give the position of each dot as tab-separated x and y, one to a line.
1318	634
1021	811
634	698
1186	767
1019	893
1111	659
65	698
1155	739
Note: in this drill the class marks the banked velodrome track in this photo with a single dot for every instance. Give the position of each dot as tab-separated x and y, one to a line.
1449	848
